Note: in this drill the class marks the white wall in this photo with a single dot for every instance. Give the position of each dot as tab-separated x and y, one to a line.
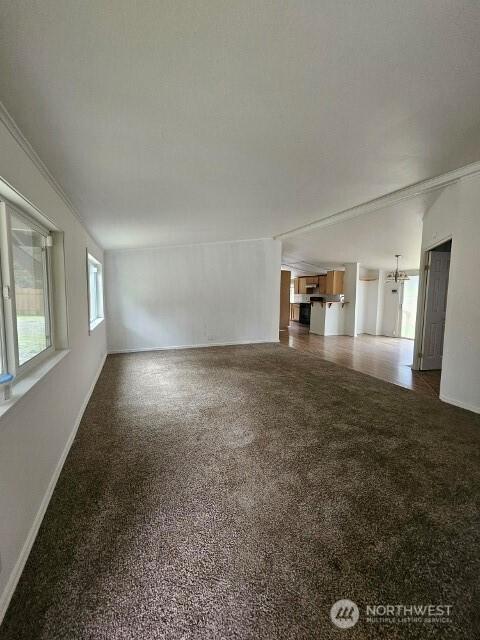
391	309
367	303
350	286
456	214
361	306
371	314
218	293
36	431
380	302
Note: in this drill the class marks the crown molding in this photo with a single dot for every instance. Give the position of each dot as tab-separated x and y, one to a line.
19	137
388	199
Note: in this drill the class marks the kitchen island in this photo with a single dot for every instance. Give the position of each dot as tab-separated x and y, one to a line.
327	318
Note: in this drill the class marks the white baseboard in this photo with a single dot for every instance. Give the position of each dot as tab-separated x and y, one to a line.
32	534
459	403
193	346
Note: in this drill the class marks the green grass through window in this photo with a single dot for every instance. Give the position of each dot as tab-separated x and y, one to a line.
31	337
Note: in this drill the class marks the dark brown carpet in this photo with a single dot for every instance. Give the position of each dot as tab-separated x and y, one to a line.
239	492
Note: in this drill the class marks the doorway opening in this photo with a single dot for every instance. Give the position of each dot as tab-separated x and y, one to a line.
436	291
408	307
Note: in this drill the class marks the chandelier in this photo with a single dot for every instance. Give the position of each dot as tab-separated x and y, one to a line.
397	276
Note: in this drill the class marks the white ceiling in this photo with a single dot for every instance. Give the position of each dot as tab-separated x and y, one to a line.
372	239
185	121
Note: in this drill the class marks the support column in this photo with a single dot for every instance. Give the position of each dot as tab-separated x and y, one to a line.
350	282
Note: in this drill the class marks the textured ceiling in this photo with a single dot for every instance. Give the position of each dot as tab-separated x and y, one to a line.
176	122
372	239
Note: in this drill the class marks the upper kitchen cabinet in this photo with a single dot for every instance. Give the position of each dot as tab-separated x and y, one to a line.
331	283
322	284
334	282
307	284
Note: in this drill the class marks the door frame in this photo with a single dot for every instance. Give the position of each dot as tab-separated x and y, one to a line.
422	300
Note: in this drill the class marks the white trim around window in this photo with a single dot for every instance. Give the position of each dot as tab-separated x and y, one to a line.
95	292
26	319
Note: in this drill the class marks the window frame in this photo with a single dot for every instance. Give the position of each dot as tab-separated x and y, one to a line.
8	317
93	324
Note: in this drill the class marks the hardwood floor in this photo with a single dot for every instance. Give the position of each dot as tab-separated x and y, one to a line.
386	358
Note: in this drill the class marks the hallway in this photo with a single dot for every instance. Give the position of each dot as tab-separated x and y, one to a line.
386	358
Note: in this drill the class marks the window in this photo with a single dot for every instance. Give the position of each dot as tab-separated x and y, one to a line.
95	292
26	281
30	276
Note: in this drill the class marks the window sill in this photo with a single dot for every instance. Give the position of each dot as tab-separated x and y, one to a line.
95	324
21	387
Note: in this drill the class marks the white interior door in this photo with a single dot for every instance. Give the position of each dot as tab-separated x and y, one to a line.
435	308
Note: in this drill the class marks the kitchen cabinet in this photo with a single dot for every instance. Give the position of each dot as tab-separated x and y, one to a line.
334	282
284	299
307	284
322	284
296	285
295	312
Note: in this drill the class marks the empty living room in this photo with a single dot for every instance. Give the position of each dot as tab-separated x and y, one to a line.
239	324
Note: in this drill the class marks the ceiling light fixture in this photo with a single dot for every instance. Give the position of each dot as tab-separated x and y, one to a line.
397	276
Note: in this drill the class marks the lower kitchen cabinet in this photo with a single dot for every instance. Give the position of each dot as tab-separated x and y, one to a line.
295	312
